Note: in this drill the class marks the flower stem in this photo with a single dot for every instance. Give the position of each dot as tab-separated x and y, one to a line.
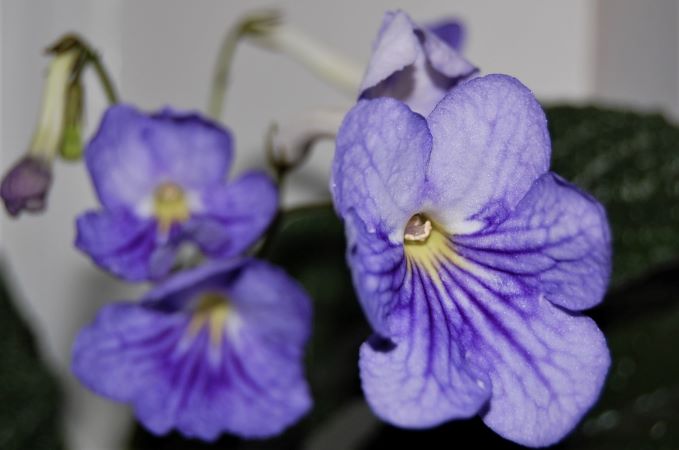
104	77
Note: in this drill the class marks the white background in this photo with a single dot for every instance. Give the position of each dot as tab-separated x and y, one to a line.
161	52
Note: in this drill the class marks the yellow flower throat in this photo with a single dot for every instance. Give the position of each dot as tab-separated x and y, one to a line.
170	205
429	248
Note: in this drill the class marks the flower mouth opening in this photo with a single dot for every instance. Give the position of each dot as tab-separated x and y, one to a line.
211	310
418	229
170	205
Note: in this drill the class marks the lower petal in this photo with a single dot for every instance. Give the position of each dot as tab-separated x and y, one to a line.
121	244
421	376
546	365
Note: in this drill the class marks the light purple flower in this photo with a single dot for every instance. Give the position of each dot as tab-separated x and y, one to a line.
213	350
26	184
472	263
161	180
413	64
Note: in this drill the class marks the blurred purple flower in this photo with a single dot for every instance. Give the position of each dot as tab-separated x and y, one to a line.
213	350
26	184
161	180
472	262
413	64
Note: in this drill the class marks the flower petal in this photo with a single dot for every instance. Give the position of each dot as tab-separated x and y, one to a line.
132	153
450	31
412	64
123	244
236	215
421	377
490	144
546	365
379	166
252	384
557	239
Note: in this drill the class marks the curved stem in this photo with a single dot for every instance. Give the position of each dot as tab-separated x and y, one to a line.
104	77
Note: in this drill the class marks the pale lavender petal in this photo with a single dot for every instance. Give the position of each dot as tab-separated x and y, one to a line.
380	163
132	153
251	383
123	244
546	365
413	65
421	377
490	144
557	240
236	215
378	270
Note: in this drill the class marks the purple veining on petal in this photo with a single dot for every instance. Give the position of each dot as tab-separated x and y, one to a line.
490	143
477	284
163	356
557	239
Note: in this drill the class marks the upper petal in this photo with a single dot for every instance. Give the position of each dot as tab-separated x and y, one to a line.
132	153
557	239
379	165
490	142
234	215
250	382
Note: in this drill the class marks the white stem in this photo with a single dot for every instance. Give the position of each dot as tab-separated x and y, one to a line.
324	61
47	136
292	140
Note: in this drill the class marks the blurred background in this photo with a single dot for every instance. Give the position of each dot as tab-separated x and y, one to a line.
161	52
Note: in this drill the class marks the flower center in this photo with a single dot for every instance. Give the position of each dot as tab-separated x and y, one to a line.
212	310
429	248
170	205
418	229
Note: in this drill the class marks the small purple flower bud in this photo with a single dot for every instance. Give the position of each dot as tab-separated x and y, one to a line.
26	184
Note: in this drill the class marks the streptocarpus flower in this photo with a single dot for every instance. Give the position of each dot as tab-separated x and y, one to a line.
472	263
161	180
413	64
212	350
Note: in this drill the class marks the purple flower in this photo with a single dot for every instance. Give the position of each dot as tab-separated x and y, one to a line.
413	64
161	182
25	186
472	262
212	350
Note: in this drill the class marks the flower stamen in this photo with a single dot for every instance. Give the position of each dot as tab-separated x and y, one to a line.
418	229
170	205
211	310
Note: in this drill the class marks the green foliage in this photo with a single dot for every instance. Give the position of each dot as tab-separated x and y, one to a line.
30	398
629	162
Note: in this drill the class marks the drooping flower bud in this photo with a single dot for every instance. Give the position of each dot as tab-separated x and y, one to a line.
26	185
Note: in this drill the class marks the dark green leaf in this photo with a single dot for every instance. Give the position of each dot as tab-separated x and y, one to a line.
630	162
29	395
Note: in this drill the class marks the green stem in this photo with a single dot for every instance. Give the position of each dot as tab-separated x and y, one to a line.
220	79
104	77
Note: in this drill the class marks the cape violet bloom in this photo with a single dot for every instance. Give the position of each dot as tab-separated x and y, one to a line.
217	349
472	262
161	182
413	64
